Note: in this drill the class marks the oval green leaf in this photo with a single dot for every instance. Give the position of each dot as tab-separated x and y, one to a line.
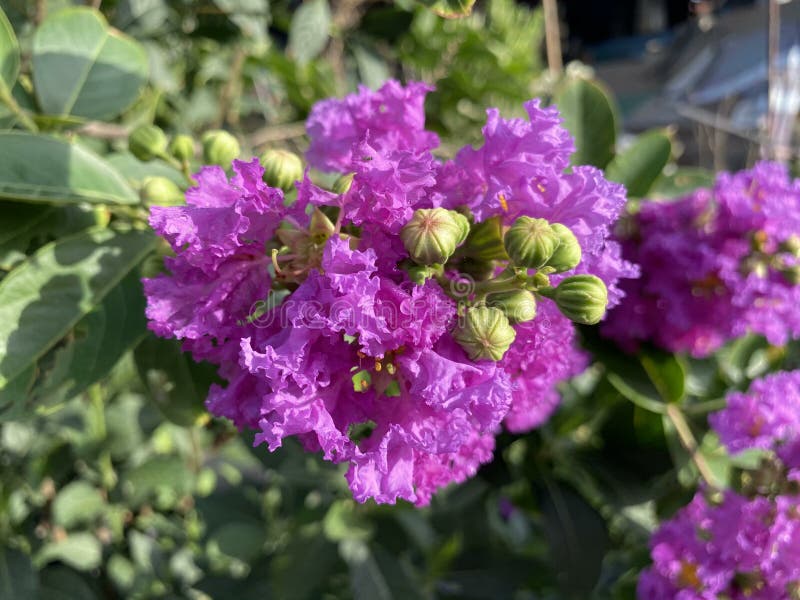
38	168
44	297
9	56
84	68
640	165
590	117
309	30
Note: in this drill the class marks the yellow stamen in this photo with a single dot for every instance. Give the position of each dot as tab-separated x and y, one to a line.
503	202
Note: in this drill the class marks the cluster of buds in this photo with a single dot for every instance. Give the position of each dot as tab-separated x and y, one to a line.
782	259
510	270
149	142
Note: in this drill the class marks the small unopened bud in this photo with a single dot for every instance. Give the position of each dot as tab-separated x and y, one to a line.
182	147
220	148
147	142
568	253
342	185
160	191
531	242
580	298
519	306
791	245
433	234
419	274
281	168
792	274
321	227
484	333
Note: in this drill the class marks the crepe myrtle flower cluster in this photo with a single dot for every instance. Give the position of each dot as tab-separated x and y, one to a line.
742	543
716	264
395	321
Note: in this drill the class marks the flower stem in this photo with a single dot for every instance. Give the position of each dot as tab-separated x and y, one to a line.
24	120
689	442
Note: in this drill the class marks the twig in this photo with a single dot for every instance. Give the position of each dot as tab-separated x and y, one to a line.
552	37
229	90
40	13
104	131
8	99
689	443
277	133
767	149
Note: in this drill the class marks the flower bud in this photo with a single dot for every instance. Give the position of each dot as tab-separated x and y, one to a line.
182	147
433	234
160	191
581	298
321	227
791	245
519	306
281	168
342	185
568	253
791	274
484	333
147	142
220	148
530	242
419	274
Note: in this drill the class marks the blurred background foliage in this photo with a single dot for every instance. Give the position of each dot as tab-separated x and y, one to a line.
115	483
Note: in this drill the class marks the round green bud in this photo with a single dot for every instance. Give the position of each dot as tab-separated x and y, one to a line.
182	147
484	333
220	148
281	168
160	191
568	253
519	306
791	245
582	298
147	142
342	185
530	242
791	274
433	234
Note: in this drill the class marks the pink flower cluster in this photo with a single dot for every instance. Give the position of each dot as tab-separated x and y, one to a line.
336	345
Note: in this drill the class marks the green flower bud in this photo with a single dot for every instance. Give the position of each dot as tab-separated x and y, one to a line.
147	142
281	168
419	274
581	298
342	185
160	191
182	147
791	245
519	306
531	242
433	234
484	333
568	253
220	148
792	274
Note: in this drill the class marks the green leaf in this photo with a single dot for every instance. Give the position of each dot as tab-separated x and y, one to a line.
9	56
81	551
159	474
590	117
683	181
81	67
638	167
449	9
666	372
309	30
17	577
100	339
38	168
345	521
177	385
578	540
77	503
242	540
43	298
372	69
136	171
62	583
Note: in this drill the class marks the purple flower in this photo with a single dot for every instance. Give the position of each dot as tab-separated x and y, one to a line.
717	264
320	322
736	548
394	116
